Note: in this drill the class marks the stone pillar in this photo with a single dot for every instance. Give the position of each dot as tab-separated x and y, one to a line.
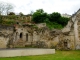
76	34
24	37
30	37
72	41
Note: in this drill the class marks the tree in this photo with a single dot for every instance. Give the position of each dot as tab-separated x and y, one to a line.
1	8
21	14
53	20
8	8
63	21
39	16
57	18
40	10
11	13
5	8
54	17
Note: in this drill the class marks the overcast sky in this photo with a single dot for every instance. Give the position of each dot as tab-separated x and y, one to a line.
49	6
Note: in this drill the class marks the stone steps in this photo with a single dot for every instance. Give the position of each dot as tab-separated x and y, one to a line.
20	43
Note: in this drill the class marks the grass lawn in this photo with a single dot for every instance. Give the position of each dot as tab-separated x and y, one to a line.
59	55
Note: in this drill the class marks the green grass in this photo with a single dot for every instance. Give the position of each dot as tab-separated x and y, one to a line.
59	55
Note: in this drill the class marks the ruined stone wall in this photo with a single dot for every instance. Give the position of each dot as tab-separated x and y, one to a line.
40	36
76	30
3	42
40	25
43	38
74	26
5	35
29	36
68	42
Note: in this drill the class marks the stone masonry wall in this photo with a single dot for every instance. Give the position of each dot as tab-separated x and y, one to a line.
5	35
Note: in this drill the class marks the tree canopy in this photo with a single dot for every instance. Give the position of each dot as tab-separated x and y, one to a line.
54	19
39	16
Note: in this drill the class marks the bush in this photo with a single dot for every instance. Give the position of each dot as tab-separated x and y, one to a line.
53	20
39	16
9	22
11	13
63	21
53	25
11	17
1	20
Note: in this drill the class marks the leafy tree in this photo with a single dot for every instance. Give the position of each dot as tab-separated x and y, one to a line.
39	16
63	21
21	14
53	20
57	18
54	17
11	13
40	10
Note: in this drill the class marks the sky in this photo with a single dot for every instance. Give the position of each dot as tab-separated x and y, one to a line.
49	6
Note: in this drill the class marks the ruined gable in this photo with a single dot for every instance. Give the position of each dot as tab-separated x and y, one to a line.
74	27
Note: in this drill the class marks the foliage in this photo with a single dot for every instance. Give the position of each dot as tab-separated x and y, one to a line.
1	19
53	20
53	25
21	14
39	16
11	13
63	20
11	17
8	22
54	17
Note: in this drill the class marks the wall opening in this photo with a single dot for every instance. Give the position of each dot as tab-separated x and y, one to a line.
65	44
21	35
26	37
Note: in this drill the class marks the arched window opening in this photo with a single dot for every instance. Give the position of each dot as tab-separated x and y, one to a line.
21	35
26	37
65	44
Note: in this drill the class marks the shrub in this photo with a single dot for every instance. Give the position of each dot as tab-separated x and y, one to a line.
9	22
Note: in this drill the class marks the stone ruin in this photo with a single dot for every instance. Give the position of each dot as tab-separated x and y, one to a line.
39	36
73	27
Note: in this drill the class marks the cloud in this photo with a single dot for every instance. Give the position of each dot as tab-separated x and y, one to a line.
62	6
